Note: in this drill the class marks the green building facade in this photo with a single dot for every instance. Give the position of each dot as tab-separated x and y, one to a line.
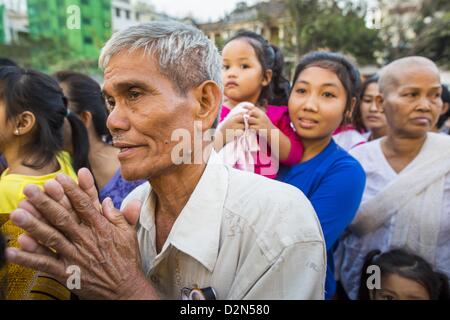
79	28
2	23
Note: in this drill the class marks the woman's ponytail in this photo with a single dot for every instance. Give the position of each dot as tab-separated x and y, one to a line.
280	86
80	142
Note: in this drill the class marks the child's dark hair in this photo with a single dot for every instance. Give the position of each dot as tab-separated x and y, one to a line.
271	58
28	90
446	99
407	265
357	116
345	70
85	95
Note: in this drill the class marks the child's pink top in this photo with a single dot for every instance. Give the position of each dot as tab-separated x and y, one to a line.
279	115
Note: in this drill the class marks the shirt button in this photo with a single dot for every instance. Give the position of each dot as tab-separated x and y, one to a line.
155	279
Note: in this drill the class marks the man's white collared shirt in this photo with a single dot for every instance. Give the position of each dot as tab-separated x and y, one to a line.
245	236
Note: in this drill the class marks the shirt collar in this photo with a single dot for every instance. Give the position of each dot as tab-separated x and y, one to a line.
196	231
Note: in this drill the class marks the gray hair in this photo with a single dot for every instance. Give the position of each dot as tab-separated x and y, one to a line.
183	53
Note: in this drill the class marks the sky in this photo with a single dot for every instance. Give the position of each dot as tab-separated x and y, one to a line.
203	10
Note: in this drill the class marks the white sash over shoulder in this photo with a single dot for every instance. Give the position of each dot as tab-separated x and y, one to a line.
415	198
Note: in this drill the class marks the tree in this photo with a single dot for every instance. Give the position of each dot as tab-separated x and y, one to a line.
47	55
433	32
335	25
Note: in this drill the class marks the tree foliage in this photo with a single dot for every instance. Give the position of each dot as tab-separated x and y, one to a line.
335	25
433	32
47	55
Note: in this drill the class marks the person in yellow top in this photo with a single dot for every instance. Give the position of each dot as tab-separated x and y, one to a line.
32	113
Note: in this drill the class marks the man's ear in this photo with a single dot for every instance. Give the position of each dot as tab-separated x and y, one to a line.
209	97
24	123
267	78
379	102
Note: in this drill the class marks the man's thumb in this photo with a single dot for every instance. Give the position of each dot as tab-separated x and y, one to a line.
128	216
132	211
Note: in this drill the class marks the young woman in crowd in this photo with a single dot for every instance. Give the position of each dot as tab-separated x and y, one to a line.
32	113
367	117
85	100
402	276
252	74
325	88
443	124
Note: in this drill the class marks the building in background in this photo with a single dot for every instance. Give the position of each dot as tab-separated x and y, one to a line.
49	20
13	21
126	13
123	14
270	19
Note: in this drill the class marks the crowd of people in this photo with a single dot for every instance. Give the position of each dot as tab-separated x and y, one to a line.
307	186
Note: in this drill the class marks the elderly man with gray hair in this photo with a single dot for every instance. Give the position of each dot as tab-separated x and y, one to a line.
197	230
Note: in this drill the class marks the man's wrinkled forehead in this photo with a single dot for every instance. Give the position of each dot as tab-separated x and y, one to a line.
127	69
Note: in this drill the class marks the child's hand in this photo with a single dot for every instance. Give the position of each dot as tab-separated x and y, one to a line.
229	129
258	119
234	123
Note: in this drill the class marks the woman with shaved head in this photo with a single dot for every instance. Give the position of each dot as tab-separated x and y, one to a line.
406	203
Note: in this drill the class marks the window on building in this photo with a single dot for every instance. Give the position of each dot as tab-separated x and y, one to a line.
128	14
87	40
137	16
118	12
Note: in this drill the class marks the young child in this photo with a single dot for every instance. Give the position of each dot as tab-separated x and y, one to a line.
252	75
404	276
32	113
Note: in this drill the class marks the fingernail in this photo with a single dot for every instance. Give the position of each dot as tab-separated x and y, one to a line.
61	177
31	191
18	217
110	203
11	253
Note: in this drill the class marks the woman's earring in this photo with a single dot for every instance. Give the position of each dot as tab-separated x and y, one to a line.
16	132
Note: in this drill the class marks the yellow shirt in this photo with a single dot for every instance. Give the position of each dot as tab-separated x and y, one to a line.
24	283
12	185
